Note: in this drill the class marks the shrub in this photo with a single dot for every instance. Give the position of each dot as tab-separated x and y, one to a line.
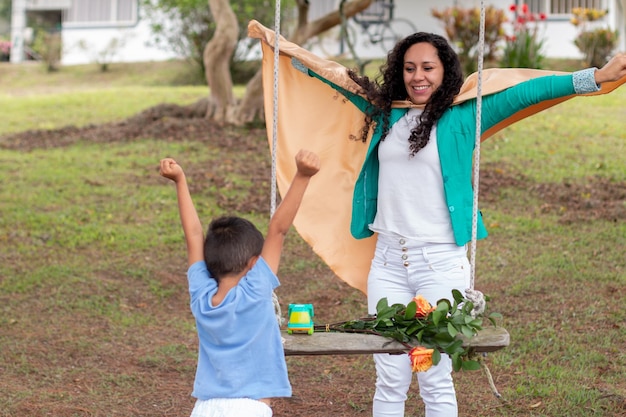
5	50
523	47
48	47
462	28
596	44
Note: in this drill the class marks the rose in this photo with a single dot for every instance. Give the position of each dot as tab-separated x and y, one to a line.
423	307
421	358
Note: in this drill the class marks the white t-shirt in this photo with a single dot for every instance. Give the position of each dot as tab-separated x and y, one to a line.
411	200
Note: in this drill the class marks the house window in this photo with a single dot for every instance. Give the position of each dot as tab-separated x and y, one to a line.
101	13
562	7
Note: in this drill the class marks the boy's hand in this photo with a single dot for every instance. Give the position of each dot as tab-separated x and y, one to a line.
170	169
307	162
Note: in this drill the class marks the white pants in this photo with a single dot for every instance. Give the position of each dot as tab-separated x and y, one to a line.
231	407
402	269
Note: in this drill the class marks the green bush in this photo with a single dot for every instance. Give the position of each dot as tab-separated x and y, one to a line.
597	44
462	28
523	47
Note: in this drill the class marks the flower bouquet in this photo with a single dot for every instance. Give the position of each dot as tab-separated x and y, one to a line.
429	330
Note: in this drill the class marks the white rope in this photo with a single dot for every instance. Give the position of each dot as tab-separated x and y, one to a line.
475	296
479	102
277	309
275	112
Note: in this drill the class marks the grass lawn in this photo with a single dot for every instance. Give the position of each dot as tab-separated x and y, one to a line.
95	318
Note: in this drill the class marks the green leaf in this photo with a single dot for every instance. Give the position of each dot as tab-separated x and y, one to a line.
468	307
382	305
385	313
443	305
476	323
467	331
411	310
458	296
436	357
470	365
443	337
457	361
456	346
437	316
387	322
415	327
453	332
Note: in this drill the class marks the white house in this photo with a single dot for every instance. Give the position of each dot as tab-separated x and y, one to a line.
88	28
96	24
410	15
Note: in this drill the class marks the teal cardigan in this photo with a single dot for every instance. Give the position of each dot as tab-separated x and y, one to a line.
456	136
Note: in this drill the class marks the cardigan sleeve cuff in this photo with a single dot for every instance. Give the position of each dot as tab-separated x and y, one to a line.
297	64
584	81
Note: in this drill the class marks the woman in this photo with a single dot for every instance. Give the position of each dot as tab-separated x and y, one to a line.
419	194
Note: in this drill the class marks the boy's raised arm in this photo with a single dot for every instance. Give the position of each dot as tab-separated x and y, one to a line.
194	235
308	164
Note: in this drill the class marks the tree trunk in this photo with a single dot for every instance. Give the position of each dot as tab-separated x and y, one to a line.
251	106
222	105
217	54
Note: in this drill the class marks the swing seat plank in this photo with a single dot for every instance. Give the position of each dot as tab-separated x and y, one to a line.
490	339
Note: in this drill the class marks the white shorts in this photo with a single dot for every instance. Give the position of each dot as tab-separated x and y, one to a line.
231	407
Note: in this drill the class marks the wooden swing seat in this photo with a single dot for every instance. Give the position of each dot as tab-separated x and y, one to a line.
490	339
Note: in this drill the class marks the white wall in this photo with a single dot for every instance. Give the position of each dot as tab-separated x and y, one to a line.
134	41
558	34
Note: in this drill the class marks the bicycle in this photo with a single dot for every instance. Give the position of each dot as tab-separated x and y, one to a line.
377	23
380	26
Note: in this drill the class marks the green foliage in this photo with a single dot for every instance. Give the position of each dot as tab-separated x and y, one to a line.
5	10
596	43
439	330
462	28
523	48
186	26
47	46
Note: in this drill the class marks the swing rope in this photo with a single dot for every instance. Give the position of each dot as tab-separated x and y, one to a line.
279	316
477	297
479	102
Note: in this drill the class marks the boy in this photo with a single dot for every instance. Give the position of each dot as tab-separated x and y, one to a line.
232	274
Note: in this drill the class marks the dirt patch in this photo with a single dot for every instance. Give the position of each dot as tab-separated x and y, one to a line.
596	198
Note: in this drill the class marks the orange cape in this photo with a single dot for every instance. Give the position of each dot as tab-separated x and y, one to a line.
314	116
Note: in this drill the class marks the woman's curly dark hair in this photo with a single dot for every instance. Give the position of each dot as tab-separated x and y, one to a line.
390	86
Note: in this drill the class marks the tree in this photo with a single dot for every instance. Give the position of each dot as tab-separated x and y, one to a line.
186	26
222	105
5	10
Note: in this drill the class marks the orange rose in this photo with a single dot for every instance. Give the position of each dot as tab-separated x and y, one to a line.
423	307
421	358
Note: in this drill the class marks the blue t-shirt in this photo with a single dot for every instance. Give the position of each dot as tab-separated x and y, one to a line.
240	353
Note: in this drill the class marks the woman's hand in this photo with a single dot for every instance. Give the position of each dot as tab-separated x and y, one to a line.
612	70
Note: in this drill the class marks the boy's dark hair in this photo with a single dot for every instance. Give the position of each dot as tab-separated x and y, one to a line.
229	244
